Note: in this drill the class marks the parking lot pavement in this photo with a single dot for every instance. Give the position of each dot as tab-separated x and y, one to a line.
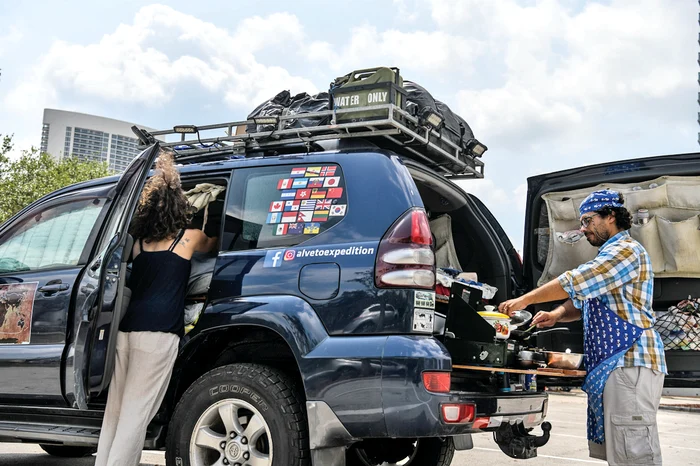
680	442
680	438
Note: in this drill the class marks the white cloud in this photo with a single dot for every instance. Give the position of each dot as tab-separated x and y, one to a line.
433	51
520	195
567	69
142	62
487	191
257	33
11	37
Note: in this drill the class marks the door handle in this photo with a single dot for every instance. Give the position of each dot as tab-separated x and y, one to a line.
54	288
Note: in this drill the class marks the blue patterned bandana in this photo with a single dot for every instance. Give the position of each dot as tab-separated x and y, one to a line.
599	199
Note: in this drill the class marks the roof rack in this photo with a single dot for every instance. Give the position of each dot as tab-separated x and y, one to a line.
398	130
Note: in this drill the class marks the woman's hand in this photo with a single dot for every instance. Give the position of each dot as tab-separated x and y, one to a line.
512	305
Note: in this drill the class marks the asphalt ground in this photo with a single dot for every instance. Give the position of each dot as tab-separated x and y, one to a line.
680	440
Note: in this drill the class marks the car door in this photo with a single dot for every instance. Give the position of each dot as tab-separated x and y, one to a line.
666	186
101	294
42	253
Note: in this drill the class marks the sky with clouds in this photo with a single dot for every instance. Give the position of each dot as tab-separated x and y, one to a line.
546	84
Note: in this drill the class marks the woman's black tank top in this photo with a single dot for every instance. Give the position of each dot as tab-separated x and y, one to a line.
158	286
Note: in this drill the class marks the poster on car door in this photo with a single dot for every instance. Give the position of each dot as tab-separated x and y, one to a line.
16	308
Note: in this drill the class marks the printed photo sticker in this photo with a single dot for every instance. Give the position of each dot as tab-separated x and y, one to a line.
16	311
299	171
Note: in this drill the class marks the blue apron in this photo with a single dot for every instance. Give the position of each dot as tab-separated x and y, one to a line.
607	337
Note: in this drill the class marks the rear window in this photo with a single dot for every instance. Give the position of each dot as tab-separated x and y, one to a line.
284	205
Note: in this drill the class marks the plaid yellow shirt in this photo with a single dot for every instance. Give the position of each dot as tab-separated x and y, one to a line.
620	276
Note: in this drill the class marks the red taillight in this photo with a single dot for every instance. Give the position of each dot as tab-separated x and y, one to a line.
481	423
405	257
438	382
458	413
420	228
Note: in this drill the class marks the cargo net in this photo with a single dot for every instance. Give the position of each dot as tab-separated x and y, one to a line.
680	326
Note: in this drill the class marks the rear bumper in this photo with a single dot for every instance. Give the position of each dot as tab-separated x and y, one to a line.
379	392
423	418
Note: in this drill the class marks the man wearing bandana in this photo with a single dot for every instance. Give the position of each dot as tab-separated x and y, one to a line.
624	355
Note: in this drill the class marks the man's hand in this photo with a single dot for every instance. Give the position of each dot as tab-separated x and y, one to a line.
512	305
545	319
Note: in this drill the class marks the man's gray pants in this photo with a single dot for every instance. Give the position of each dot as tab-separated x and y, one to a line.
142	371
631	399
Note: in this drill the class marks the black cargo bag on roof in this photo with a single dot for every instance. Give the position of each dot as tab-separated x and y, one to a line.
272	107
284	104
305	103
454	127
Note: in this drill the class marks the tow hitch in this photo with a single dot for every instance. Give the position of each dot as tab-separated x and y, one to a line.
516	441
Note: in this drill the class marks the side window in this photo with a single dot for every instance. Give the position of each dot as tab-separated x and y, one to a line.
51	237
283	206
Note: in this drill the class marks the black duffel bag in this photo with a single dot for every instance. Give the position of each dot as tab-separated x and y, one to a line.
272	107
305	103
454	128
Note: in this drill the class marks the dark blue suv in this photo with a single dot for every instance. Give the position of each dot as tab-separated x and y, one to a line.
319	341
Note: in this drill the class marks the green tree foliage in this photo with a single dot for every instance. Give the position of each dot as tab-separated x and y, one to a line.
33	174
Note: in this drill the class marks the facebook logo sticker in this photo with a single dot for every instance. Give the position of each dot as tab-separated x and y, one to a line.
273	258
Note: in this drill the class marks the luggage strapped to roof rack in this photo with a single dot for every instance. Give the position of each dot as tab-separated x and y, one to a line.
399	131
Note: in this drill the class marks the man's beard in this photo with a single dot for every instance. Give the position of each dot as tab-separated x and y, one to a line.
597	238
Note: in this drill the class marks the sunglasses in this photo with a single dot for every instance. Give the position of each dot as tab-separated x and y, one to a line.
585	221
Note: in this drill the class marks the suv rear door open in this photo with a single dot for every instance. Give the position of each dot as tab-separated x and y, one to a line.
669	188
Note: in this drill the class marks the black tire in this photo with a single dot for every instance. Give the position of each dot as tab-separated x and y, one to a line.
426	452
68	451
272	393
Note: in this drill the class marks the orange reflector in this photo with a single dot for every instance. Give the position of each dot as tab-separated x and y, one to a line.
457	413
438	382
481	423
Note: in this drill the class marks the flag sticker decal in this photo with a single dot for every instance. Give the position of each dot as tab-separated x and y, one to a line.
309	200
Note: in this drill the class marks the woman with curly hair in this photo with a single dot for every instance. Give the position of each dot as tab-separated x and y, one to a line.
150	331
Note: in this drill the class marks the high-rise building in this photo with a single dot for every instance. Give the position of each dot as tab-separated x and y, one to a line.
89	137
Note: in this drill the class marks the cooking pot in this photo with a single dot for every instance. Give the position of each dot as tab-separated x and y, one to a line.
500	322
564	360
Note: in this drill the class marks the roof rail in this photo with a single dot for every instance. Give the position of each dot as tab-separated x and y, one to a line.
396	130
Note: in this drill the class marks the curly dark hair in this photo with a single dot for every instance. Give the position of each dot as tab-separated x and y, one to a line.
623	219
163	209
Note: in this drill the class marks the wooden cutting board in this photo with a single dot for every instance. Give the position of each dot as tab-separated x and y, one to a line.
547	371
